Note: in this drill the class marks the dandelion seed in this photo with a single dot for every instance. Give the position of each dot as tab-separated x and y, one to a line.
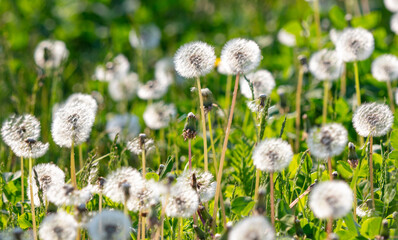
67	195
182	201
272	155
136	146
327	141
355	44
241	55
17	129
50	54
331	199
147	38
125	88
286	38
152	90
194	59
58	226
117	181
164	71
113	70
394	23
373	119
48	174
159	115
385	68
126	125
109	225
263	83
252	228
391	5
326	65
202	182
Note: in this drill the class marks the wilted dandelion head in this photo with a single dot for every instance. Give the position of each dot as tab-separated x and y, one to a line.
355	44
241	56
385	68
124	88
147	196
252	228
272	155
194	59
152	90
126	125
140	143
48	174
372	119
113	70
327	141
148	37
109	225
202	182
182	201
72	122
326	65
158	115
67	195
50	54
17	129
164	71
30	148
394	23
391	5
263	83
286	38
123	183
331	199
58	226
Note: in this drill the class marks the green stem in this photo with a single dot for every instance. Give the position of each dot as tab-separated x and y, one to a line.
72	165
22	187
325	101
203	118
32	204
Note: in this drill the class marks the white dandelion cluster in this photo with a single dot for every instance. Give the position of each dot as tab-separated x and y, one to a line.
148	37
152	90
355	44
50	54
272	155
109	225
373	119
113	70
58	226
181	201
67	195
164	71
158	115
252	228
202	182
124	88
385	68
286	38
126	125
263	83
326	65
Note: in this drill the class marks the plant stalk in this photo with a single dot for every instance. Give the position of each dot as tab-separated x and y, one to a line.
203	119
72	165
298	107
330	168
325	101
271	181
392	105
371	170
22	187
32	204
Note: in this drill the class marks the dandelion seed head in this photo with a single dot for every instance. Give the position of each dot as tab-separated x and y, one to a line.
152	90
114	70
30	149
67	195
326	65
50	54
87	100
372	119
385	68
241	56
182	201
252	228
148	37
335	35
202	182
286	38
391	5
48	174
126	125
164	71
355	44
158	115
134	146
327	141
109	225
58	226
194	59
145	197
331	199
125	88
223	68
17	129
272	155
263	83
394	23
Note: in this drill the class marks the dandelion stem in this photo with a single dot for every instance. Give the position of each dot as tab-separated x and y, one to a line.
298	107
228	91
72	165
22	187
203	118
330	168
143	227
343	82
32	204
100	201
224	150
258	174
390	96
325	101
81	156
271	184
358	92
190	154
329	227
139	226
180	228
317	23
355	201
371	170
143	163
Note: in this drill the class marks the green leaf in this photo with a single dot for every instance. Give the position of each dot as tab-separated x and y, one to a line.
351	225
152	175
368	21
24	221
337	16
394	140
344	169
242	205
390	192
371	227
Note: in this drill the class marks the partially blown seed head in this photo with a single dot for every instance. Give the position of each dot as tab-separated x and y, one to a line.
252	228
385	68
263	83
373	119
272	155
355	44
331	199
50	54
326	65
58	226
194	59
159	115
109	225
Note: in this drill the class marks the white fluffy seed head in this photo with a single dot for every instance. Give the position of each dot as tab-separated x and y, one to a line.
152	90
48	175
30	149
263	83
202	182
17	129
67	195
146	197
164	71
385	68
58	226
252	228
286	38
158	115
194	59
126	125
391	5
182	201
134	146
327	141
73	121
241	56
125	88
334	35
373	119
50	54
272	155
114	70
331	199
147	38
109	224
394	23
355	44
326	65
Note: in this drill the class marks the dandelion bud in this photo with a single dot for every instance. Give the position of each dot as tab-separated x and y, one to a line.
372	119
391	5
241	55
200	233
326	65
352	155
255	227
272	155
109	225
190	128
49	54
385	68
262	81
207	99
355	44
385	232
205	215
303	62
